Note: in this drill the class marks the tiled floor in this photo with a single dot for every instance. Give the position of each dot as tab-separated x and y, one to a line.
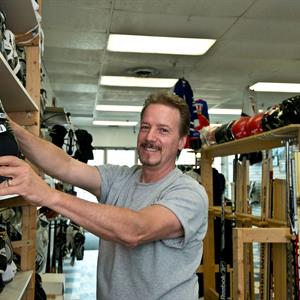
81	278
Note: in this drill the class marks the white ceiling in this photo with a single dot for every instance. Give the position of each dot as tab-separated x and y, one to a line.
257	40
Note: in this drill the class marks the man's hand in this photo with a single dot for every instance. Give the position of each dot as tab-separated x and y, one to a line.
23	180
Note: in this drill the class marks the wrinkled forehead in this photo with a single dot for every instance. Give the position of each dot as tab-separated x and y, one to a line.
161	115
161	111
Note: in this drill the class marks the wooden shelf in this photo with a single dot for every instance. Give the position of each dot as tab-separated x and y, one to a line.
265	140
12	201
15	289
13	95
2	198
19	20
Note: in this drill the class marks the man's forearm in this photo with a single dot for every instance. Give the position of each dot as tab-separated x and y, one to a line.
56	162
42	153
112	223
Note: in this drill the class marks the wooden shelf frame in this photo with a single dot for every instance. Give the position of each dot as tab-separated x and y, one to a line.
263	141
242	235
22	104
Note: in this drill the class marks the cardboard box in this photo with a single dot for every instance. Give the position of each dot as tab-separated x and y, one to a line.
53	283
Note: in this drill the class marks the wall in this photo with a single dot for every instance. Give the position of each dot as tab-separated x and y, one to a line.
113	136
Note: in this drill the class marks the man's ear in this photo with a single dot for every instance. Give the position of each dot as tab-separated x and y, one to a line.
182	142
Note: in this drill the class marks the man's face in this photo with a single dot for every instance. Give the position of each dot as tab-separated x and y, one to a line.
158	138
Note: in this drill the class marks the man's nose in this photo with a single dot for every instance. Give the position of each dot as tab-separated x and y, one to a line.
151	135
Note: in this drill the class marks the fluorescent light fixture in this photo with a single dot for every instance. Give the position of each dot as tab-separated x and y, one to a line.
224	111
138	81
115	123
119	108
276	87
158	44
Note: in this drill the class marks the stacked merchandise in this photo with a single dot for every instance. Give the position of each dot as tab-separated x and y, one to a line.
65	238
8	146
76	142
14	55
8	267
285	113
8	143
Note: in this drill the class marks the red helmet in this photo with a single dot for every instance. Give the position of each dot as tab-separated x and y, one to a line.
239	128
254	124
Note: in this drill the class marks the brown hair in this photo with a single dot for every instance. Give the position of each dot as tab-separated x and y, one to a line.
172	100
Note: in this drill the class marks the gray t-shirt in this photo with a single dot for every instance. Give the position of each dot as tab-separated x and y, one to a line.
163	269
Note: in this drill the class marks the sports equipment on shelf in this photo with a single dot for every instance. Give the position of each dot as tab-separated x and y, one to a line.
223	133
254	124
2	29
8	142
291	110
183	89
223	263
273	118
207	135
292	214
239	128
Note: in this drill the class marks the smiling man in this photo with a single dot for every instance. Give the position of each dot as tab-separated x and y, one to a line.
151	218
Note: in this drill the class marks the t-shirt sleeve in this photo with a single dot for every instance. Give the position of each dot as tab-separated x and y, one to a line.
189	202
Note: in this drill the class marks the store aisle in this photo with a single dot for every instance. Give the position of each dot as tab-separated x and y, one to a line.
81	278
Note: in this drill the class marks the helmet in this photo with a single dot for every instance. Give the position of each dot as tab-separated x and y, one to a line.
291	110
207	135
254	124
239	128
223	133
273	118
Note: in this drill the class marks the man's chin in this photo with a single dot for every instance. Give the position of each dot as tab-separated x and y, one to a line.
149	163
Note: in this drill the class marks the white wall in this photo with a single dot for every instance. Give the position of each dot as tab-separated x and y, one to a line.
113	136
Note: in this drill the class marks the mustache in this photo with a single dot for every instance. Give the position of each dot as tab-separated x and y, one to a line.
150	145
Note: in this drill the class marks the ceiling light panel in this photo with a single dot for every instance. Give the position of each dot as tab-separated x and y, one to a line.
276	87
138	82
158	44
224	111
119	108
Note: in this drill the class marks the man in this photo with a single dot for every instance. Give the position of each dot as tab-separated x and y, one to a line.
151	218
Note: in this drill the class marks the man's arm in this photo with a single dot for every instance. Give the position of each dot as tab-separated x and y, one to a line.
56	162
117	224
122	225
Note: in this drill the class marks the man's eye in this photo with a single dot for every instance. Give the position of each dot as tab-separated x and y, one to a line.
163	130
144	127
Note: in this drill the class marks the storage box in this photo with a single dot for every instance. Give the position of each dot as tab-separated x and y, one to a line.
53	283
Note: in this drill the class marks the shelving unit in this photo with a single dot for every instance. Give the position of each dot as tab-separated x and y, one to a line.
22	104
16	289
269	229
